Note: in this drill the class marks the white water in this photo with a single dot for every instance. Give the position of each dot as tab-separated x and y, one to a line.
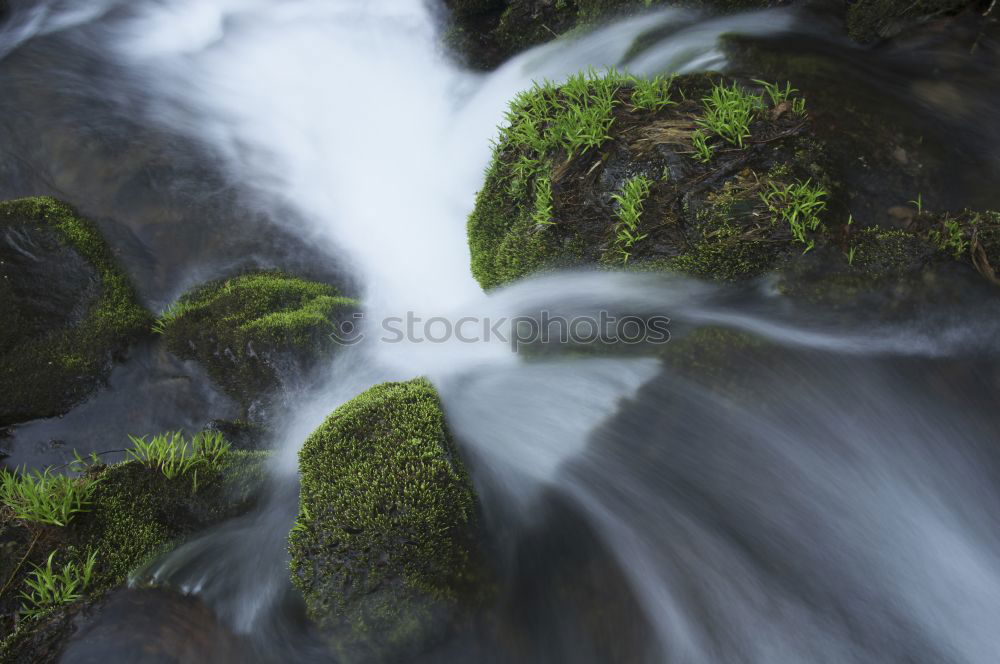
346	111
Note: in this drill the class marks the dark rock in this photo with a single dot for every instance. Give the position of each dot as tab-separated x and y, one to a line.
134	513
484	33
69	311
778	203
257	332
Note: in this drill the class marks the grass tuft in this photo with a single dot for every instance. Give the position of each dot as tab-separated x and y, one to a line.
173	455
48	588
799	204
45	497
729	112
652	94
630	202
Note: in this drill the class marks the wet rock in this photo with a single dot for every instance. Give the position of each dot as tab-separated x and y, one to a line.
69	310
484	33
870	20
133	514
153	626
664	187
641	194
257	332
384	548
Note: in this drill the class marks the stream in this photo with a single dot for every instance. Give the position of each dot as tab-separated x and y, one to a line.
832	498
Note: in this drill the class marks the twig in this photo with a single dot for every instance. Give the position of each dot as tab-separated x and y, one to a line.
20	562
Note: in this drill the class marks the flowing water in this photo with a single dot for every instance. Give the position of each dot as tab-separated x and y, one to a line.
831	498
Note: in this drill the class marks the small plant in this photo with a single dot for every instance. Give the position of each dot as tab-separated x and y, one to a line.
799	204
543	202
210	446
300	523
45	497
850	255
164	320
775	92
169	453
630	203
81	465
703	152
919	204
729	112
173	455
951	238
49	588
799	106
549	120
652	94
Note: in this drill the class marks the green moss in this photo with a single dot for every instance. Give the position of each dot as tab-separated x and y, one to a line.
971	237
881	253
724	255
383	546
48	367
138	513
503	236
243	329
708	354
135	514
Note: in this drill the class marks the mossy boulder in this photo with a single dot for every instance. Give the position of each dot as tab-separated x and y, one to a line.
549	201
385	548
69	311
615	172
134	514
258	331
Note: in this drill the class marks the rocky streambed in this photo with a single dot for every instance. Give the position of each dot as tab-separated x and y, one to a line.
848	177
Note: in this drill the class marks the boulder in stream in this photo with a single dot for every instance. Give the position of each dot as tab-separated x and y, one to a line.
69	310
705	175
385	546
258	331
129	513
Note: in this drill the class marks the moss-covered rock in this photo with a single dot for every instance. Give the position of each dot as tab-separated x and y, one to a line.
740	207
597	172
384	547
69	311
869	20
256	331
134	513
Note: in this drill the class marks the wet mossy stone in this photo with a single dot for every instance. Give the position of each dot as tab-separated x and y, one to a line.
258	331
703	218
135	513
384	549
69	311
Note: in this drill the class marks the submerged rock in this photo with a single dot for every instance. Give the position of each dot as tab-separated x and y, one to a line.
384	549
69	311
484	33
133	513
256	332
870	20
